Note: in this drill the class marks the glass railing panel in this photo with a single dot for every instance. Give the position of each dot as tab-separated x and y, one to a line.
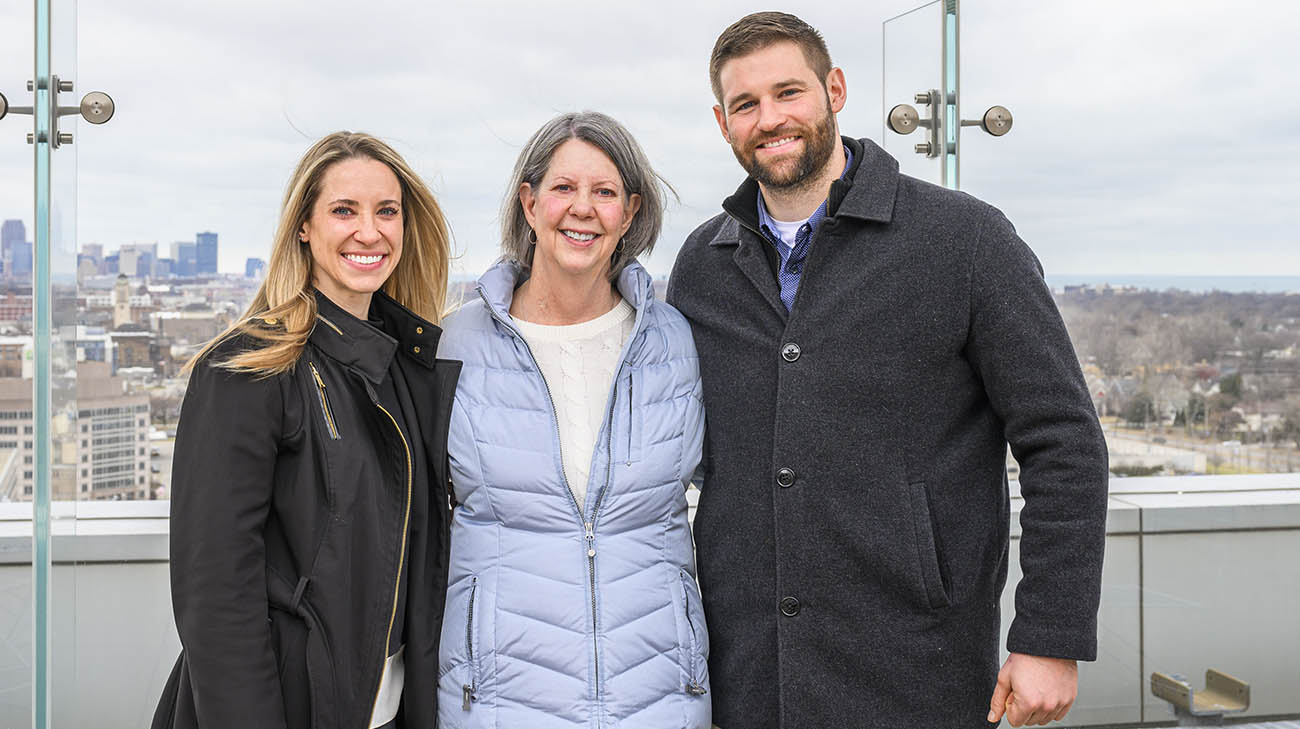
1110	696
58	290
52	393
1224	600
17	205
914	64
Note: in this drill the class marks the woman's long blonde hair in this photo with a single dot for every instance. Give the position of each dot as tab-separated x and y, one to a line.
283	312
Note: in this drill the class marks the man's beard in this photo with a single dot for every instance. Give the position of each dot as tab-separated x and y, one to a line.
819	144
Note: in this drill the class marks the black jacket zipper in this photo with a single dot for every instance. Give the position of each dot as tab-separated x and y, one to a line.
324	403
401	555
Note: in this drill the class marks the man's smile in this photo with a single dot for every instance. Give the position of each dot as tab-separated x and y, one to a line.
778	143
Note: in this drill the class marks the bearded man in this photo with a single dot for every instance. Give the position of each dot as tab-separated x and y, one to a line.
869	344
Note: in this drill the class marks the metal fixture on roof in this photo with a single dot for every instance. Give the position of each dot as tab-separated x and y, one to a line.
1223	694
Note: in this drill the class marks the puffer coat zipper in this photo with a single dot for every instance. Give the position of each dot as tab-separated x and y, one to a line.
588	523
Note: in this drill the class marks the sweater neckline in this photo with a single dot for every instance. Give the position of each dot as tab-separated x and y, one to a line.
581	330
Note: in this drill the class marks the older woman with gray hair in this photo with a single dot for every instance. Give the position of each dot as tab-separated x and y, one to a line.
577	424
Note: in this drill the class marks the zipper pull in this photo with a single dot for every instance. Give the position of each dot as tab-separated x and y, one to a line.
468	692
316	374
591	539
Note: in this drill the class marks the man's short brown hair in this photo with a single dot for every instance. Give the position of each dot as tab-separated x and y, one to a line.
757	31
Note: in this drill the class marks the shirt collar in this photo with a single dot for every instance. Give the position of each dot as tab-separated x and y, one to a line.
767	223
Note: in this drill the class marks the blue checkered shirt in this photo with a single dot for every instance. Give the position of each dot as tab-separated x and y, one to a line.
793	256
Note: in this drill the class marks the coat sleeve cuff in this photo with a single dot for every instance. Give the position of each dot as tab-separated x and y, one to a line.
1077	641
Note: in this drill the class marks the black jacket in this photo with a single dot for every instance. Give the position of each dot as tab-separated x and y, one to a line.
291	501
860	587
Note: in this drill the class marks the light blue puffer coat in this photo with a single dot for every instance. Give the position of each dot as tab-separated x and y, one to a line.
559	615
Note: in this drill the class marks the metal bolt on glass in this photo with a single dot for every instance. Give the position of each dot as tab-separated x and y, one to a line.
96	107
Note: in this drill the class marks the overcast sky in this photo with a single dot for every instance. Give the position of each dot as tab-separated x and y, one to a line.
1150	136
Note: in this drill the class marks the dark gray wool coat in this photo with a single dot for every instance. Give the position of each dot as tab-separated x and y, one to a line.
860	587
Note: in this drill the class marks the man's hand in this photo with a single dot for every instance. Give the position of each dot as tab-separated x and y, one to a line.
1033	690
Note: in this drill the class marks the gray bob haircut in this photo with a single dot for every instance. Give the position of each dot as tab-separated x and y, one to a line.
610	137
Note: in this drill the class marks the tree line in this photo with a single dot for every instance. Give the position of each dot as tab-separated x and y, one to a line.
1222	365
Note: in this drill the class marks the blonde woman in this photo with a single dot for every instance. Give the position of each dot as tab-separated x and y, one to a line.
309	518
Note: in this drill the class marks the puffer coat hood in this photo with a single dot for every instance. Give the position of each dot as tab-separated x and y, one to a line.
560	614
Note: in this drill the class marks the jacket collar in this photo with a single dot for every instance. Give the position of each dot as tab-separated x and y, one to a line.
366	349
866	192
497	287
873	199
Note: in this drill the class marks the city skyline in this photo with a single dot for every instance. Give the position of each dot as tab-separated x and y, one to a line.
1266	282
188	258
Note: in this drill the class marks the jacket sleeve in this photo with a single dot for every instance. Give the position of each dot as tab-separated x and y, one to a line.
696	444
222	475
1020	349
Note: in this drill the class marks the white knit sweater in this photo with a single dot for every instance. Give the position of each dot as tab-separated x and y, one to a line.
577	362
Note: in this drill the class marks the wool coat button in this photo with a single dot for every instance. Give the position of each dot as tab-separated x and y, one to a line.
785	478
415	349
789	606
790	352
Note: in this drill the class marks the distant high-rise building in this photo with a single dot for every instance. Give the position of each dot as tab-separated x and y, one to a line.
183	253
19	260
15	251
89	260
254	268
144	265
111	262
136	260
111	452
12	231
86	267
205	252
128	260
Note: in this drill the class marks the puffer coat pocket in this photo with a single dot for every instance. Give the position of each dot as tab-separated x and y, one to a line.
469	690
458	665
629	420
694	637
